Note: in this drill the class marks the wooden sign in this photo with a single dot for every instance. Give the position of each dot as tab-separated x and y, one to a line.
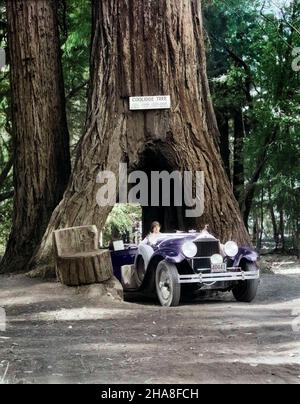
148	103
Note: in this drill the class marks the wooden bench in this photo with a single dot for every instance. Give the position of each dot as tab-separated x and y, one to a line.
78	258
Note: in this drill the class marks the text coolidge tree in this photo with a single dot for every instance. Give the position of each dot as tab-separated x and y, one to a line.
147	48
40	138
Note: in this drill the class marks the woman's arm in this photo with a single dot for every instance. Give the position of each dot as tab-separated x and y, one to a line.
146	241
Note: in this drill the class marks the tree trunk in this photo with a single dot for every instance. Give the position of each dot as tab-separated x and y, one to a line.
41	140
282	229
297	239
250	189
144	48
238	167
273	219
255	231
262	218
275	227
85	270
223	121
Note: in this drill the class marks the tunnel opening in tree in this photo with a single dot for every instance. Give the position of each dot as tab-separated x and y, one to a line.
158	160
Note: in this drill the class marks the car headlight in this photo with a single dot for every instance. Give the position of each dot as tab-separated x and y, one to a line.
217	259
231	249
189	249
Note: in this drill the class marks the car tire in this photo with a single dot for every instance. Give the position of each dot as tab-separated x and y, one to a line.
140	271
246	291
168	287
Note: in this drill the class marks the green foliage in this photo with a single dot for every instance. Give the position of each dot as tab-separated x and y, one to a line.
122	219
5	223
76	52
250	68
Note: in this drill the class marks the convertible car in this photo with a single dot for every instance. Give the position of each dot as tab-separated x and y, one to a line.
187	264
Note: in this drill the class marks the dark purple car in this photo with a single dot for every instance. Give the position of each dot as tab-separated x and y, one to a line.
188	264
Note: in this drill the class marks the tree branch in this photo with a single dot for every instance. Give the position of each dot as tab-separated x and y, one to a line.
5	172
76	90
6	195
261	163
240	62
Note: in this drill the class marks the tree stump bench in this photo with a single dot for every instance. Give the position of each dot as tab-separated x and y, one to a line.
78	258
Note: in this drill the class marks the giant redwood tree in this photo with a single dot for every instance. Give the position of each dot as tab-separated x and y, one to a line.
144	48
40	138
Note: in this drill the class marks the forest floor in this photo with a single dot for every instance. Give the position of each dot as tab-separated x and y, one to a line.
56	335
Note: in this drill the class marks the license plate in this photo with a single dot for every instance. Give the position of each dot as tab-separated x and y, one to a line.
216	269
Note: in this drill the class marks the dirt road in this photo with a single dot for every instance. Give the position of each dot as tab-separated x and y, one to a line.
54	335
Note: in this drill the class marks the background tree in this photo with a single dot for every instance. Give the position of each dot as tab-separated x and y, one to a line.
6	161
40	134
74	20
250	69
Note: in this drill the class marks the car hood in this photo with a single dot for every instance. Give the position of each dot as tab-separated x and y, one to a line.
178	239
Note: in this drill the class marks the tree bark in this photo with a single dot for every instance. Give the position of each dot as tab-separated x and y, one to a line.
297	239
87	270
255	231
273	219
223	122
262	218
282	229
238	166
144	48
41	140
275	227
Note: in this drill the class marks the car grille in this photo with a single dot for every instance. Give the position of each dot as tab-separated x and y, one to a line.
206	249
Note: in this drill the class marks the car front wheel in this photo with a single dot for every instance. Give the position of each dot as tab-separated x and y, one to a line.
246	291
168	288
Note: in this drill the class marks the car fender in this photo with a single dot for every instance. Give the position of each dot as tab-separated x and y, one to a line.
170	256
146	251
245	253
156	258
